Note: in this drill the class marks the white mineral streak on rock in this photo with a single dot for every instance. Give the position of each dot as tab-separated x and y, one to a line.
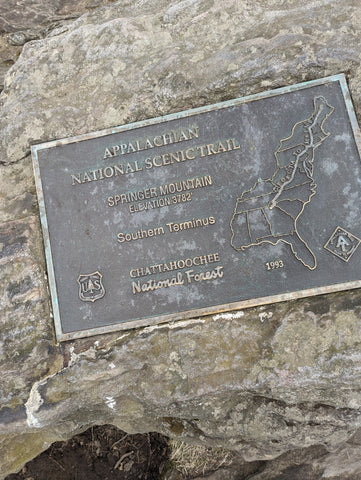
229	316
186	323
32	405
173	325
90	353
35	401
265	316
121	337
111	403
73	356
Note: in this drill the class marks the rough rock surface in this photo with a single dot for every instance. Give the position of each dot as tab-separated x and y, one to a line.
277	381
32	14
28	20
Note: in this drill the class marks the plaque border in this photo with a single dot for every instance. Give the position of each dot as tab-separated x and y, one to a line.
151	321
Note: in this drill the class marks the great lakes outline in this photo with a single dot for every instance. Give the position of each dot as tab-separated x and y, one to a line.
269	211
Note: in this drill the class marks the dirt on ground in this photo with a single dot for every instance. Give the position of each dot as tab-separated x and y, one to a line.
100	453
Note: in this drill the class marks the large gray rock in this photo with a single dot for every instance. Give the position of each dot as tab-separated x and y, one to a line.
264	381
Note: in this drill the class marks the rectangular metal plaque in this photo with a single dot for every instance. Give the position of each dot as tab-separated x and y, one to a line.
247	202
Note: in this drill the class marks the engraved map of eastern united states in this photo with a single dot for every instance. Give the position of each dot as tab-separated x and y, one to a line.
269	211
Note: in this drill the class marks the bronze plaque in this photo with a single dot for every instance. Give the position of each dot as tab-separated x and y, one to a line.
247	202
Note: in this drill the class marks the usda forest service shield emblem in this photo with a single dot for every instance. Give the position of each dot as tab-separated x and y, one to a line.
91	287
